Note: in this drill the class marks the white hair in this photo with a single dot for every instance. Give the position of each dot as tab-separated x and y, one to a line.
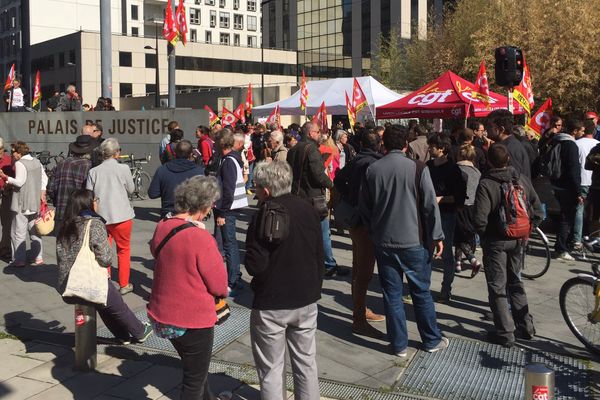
277	136
109	148
275	176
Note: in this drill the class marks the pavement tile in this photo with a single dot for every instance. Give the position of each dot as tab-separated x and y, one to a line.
12	346
151	383
13	365
54	371
82	386
46	352
17	388
120	367
239	352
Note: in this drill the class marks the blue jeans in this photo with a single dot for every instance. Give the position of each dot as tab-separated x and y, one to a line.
448	223
329	260
250	184
415	262
578	225
228	246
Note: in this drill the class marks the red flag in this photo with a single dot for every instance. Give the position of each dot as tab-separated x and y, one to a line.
181	22
37	91
482	88
239	113
274	117
359	100
303	92
523	93
227	117
541	119
351	111
10	78
170	32
248	104
320	118
213	118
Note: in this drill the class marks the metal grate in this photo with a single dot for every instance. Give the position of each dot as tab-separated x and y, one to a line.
237	325
475	370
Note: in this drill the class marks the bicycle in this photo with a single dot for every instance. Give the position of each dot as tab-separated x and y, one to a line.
48	160
141	179
537	257
580	304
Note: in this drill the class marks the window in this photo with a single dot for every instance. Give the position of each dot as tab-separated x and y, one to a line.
125	89
197	2
251	41
236	4
134	12
195	16
150	88
238	21
72	56
135	31
208	37
251	5
61	60
236	39
251	23
224	19
213	18
209	2
124	59
150	61
224	38
193	35
222	3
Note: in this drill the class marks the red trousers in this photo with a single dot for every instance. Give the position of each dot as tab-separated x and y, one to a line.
121	234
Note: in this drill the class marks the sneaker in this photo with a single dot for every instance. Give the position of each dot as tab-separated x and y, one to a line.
565	257
249	192
124	342
372	317
577	246
475	268
337	270
367	330
38	261
226	395
126	289
443	344
494	338
458	266
443	298
146	334
402	353
523	334
406	299
233	292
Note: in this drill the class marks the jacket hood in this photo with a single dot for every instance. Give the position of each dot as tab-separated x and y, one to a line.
502	174
561	137
368	153
180	165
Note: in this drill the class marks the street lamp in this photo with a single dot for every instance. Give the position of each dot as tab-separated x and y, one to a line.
262	49
156	22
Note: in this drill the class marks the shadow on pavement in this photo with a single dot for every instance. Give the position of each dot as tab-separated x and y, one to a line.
46	274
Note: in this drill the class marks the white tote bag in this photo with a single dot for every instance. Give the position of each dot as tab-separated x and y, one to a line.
87	279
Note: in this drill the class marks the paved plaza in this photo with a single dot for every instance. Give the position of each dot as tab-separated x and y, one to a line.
37	356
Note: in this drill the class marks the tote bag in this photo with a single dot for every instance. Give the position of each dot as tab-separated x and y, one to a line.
45	222
87	279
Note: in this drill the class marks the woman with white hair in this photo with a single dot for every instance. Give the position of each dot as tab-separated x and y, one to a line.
347	152
278	150
112	183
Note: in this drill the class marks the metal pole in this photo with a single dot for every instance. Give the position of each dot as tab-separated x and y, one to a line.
85	337
510	101
171	58
262	54
157	78
539	382
26	48
105	48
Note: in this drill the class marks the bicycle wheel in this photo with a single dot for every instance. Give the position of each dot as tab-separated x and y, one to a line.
577	302
536	260
142	183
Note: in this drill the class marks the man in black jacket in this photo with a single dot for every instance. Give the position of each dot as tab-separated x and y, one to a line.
287	279
310	182
500	129
347	181
503	256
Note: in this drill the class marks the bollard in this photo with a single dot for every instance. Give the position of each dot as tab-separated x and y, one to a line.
85	337
539	382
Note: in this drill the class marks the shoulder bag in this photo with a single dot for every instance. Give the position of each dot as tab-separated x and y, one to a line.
319	202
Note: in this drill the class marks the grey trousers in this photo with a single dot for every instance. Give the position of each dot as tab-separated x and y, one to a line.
269	331
21	225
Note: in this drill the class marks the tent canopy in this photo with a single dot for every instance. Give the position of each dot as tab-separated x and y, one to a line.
332	92
448	96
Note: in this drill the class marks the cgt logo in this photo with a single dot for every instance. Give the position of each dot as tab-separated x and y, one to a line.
543	120
540	393
426	99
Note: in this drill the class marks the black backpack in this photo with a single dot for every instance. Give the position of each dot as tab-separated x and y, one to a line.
550	162
273	222
212	167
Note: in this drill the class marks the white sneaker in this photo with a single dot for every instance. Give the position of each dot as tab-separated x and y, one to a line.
565	257
443	344
402	354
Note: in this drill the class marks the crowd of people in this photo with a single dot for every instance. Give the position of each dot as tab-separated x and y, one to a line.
406	195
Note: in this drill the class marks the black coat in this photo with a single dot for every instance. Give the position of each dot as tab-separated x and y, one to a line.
519	159
348	180
310	179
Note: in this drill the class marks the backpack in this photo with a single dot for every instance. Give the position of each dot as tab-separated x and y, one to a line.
212	167
514	214
273	222
550	162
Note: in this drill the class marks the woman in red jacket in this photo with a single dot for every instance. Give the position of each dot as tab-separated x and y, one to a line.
188	274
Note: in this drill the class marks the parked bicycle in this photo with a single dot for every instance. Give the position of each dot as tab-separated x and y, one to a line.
49	161
537	255
141	179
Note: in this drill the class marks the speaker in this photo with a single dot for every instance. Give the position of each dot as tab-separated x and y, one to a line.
509	66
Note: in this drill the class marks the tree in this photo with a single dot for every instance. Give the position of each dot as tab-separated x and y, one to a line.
387	59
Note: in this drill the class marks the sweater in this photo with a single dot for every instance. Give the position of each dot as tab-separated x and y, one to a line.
188	274
570	177
167	177
112	184
287	275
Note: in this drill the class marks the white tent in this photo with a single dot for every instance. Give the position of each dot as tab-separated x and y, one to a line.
332	92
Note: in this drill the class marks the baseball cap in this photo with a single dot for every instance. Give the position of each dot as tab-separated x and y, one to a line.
591	115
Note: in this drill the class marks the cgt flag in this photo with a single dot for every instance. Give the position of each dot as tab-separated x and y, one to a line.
541	119
523	93
303	92
227	117
482	88
239	113
37	91
181	22
170	32
212	117
351	111
359	100
10	78
248	104
274	117
320	118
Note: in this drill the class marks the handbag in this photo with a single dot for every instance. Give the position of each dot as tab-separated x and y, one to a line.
87	279
44	223
221	306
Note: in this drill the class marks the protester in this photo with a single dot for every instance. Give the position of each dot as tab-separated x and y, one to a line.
585	144
169	175
238	146
71	101
592	116
233	198
503	255
168	154
500	129
290	141
479	139
6	166
79	213
554	127
278	150
15	97
206	143
399	250
287	285
520	133
310	182
348	182
112	183
346	151
419	146
450	189
465	136
29	191
71	174
167	138
52	102
188	276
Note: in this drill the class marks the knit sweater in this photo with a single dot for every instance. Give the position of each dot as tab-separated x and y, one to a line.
188	274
